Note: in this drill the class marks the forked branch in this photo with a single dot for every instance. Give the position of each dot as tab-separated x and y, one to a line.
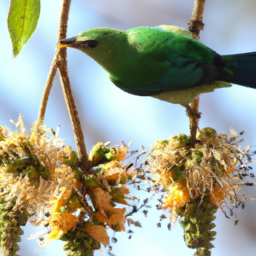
59	62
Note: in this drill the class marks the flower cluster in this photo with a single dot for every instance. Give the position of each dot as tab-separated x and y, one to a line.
41	180
197	181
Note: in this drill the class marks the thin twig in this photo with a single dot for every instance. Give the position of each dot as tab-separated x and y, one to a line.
194	120
47	90
73	114
59	62
135	209
195	24
62	32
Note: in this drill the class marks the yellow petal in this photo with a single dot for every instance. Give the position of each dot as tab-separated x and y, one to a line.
63	221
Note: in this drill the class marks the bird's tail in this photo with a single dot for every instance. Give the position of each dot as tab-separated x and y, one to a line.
240	69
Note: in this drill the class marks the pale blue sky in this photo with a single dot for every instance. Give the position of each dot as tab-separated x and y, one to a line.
109	114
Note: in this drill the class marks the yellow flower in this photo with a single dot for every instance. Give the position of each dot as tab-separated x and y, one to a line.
62	222
59	224
177	197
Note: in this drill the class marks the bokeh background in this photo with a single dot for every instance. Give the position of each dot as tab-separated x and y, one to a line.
109	114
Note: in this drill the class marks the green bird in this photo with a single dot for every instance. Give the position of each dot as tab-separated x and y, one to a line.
164	62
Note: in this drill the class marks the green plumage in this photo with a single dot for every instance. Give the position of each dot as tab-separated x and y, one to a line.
164	62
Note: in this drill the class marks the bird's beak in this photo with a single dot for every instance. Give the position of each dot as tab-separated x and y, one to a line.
69	42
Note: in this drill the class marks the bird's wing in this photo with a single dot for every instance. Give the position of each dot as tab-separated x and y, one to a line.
182	74
178	61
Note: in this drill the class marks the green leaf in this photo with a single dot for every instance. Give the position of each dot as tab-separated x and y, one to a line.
22	21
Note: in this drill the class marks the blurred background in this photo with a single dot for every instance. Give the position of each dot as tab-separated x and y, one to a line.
109	114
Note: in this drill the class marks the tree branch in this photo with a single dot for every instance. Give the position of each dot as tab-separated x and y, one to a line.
47	90
194	120
73	114
59	62
195	24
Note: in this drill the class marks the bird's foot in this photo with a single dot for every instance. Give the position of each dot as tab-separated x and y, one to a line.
192	113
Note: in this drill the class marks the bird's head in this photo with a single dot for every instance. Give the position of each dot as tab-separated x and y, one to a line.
98	43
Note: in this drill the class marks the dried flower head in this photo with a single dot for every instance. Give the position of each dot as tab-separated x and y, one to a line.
208	176
215	167
38	173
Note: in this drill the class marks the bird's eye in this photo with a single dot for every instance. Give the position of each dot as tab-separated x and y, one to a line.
92	43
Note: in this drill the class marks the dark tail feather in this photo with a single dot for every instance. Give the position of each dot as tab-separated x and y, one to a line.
240	69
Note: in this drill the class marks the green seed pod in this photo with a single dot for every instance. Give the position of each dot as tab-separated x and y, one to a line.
44	172
33	175
160	144
78	173
98	170
97	154
111	155
91	181
16	165
74	203
79	243
202	252
178	141
10	222
197	154
194	159
31	172
27	147
72	161
177	173
197	223
207	135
